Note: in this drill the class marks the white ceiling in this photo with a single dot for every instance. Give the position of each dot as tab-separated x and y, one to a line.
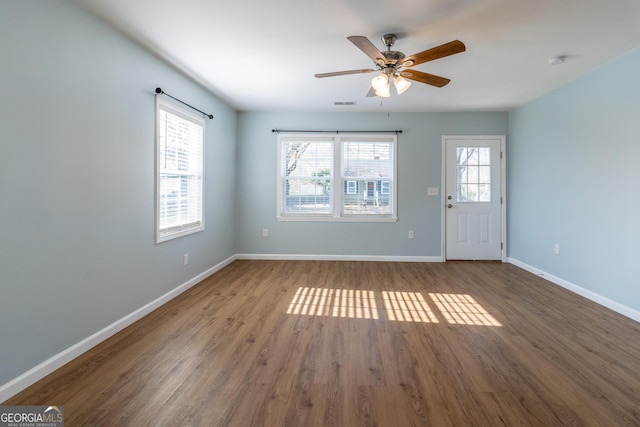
261	55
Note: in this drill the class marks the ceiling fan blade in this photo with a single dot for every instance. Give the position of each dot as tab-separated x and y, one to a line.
437	52
368	48
421	77
371	93
344	73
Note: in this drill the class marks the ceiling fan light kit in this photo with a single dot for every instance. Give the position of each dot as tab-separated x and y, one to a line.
391	62
401	84
380	84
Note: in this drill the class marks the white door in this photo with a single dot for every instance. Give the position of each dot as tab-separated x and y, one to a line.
473	197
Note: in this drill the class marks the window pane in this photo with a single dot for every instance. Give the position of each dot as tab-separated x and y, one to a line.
472	193
371	164
462	174
485	175
305	196
461	192
472	174
472	154
168	203
308	177
308	158
461	155
485	155
484	192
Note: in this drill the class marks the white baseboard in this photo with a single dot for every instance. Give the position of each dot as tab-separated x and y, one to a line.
40	371
597	298
296	257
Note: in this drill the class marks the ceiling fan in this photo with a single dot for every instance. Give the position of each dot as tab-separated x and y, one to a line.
392	64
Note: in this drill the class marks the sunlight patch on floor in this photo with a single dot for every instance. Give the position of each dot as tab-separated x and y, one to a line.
456	309
461	309
353	303
408	307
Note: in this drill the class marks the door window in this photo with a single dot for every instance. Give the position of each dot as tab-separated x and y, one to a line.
473	174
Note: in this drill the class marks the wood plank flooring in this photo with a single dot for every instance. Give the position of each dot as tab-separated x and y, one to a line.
323	343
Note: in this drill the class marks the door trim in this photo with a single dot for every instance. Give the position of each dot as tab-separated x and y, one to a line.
503	195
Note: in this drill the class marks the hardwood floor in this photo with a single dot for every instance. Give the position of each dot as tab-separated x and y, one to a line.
287	343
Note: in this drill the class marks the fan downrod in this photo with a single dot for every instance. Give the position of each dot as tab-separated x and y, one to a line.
392	56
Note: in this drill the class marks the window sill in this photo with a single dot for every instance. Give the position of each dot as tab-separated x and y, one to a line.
166	236
336	219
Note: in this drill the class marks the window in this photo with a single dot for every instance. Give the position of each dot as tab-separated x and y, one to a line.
179	172
384	187
337	177
352	187
473	174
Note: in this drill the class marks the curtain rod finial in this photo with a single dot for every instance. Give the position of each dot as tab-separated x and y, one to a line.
158	90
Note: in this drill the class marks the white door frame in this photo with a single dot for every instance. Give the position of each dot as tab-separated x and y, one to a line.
503	196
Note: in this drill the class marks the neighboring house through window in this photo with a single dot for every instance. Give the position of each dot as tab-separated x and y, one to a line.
348	177
179	172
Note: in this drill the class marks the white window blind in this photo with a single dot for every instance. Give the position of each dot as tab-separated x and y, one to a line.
180	176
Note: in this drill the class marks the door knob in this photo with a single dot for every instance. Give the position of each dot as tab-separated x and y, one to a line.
449	205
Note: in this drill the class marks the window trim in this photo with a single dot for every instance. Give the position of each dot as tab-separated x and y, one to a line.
339	182
170	233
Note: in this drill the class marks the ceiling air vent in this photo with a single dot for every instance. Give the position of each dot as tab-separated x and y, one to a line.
344	103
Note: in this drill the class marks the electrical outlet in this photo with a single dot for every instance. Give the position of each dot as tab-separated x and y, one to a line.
411	234
185	259
556	248
265	232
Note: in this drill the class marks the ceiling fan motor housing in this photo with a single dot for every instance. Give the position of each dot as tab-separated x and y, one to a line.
393	56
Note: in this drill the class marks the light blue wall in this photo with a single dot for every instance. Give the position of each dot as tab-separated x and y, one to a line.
574	179
77	117
419	167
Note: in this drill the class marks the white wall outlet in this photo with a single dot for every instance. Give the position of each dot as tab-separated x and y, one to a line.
411	234
433	191
265	232
556	248
185	259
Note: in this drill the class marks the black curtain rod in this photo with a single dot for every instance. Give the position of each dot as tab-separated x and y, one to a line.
160	91
334	131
